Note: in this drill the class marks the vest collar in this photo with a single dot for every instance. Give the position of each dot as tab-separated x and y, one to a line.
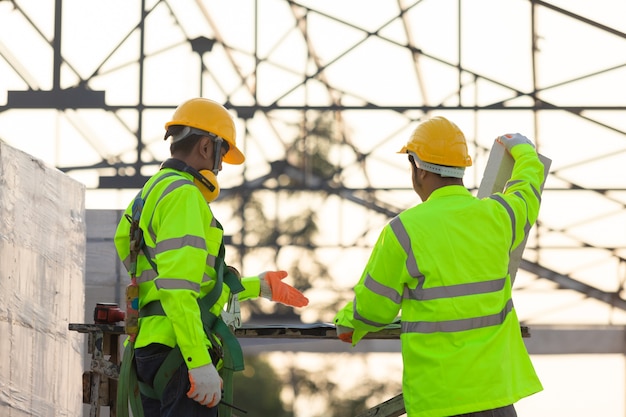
449	190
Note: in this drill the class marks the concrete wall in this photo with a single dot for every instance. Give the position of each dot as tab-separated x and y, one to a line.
42	258
105	276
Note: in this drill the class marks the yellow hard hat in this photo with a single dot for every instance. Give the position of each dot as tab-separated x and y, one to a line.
440	142
211	117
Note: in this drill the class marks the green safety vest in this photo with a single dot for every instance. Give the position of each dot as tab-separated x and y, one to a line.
184	249
444	265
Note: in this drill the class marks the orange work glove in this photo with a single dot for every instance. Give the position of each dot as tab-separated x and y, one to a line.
273	288
344	333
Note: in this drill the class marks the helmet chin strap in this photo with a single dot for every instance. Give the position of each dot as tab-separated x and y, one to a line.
218	143
217	154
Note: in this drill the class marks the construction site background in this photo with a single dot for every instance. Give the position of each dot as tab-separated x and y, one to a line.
58	261
324	93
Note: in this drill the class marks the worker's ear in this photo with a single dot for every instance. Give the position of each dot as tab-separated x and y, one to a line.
204	146
417	172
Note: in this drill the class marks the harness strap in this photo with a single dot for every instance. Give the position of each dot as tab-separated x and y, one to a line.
232	355
232	359
212	325
170	365
137	234
128	379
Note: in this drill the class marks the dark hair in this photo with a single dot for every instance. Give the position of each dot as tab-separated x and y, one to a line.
183	146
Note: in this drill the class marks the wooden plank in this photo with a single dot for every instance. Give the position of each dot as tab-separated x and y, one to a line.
497	172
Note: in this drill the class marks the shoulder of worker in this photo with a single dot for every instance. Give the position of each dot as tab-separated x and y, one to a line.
166	176
173	186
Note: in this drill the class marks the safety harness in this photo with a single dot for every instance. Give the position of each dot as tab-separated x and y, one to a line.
129	387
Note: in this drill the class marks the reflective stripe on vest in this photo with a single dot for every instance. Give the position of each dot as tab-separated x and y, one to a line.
423	294
173	244
170	187
510	212
458	325
509	209
176	284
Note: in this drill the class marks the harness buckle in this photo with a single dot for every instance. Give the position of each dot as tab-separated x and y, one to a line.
232	315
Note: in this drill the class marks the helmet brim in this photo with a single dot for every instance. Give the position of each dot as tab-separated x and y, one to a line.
234	156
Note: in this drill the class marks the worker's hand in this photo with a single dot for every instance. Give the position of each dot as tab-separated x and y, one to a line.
511	139
344	333
206	385
273	288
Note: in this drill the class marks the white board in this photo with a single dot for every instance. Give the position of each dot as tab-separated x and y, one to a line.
497	172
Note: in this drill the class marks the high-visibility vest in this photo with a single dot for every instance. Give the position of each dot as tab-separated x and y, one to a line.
178	270
444	265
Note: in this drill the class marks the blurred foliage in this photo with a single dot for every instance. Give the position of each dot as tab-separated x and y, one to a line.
311	154
257	390
334	398
304	175
270	229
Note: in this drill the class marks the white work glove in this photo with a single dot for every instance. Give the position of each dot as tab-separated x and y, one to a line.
206	385
344	333
511	139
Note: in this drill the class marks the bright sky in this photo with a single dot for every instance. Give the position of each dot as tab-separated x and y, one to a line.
588	151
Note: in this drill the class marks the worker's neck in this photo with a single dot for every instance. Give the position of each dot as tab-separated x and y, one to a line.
187	159
436	182
445	181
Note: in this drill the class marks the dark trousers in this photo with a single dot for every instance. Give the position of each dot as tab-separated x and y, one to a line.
508	411
174	402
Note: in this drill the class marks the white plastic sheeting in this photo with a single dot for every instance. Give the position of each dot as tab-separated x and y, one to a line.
42	258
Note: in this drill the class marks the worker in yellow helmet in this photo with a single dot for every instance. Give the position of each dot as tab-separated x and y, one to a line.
443	265
182	343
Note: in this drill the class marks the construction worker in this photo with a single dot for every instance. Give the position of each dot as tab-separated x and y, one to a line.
444	265
183	280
